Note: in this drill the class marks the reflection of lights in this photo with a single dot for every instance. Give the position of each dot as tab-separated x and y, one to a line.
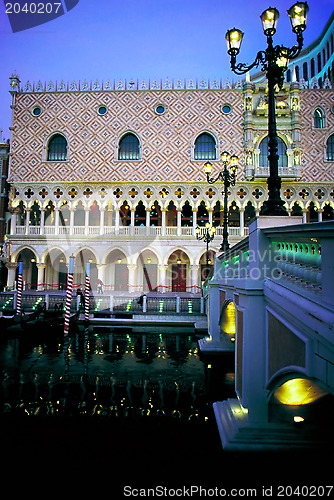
299	391
298	420
228	321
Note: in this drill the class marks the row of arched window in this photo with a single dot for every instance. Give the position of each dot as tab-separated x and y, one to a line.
315	65
205	146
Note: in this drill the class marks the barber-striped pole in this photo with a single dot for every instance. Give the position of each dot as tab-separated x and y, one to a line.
69	296
19	289
87	283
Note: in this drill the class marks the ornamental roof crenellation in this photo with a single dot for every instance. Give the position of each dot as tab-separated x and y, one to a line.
123	84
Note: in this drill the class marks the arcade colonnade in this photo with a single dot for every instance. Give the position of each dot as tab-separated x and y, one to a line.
137	238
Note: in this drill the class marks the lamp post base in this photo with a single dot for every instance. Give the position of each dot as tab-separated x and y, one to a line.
274	207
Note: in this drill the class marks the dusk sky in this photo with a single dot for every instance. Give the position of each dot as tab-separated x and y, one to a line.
142	39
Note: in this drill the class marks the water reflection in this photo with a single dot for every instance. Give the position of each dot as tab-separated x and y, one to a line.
112	373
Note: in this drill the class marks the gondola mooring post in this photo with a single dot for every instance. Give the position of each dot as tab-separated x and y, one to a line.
69	296
87	286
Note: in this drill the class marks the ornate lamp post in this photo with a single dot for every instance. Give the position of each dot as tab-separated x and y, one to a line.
228	177
207	237
273	61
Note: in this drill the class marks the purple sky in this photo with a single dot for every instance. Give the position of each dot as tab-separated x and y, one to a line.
142	39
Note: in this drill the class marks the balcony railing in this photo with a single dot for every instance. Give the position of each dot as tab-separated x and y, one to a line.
166	231
297	256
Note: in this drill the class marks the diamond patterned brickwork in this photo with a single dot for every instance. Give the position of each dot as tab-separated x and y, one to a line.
166	140
313	140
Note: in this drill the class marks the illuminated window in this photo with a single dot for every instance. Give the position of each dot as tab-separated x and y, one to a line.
264	151
57	148
330	148
128	147
318	118
205	147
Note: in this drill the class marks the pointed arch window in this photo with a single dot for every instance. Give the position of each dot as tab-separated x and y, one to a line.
205	147
318	118
330	148
57	148
281	150
128	147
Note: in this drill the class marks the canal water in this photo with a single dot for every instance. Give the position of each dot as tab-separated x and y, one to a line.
121	397
107	408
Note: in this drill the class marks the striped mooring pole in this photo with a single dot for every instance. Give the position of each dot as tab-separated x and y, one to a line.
69	296
87	284
19	289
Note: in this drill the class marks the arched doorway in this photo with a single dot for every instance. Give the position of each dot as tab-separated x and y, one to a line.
55	270
81	259
206	264
178	265
147	267
117	274
29	274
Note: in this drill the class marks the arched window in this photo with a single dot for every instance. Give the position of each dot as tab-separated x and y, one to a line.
318	118
305	71
57	148
330	148
205	147
281	150
128	147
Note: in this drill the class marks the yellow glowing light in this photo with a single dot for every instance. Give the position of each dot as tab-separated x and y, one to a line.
228	321
299	391
298	419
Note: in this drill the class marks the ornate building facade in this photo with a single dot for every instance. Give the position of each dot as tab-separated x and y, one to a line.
112	173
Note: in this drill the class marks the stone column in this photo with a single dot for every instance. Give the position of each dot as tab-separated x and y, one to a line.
210	216
117	222
320	211
57	221
242	221
102	221
28	210
11	266
71	221
13	221
194	221
86	221
40	276
162	277
132	277
179	213
42	220
148	210
305	212
163	222
194	270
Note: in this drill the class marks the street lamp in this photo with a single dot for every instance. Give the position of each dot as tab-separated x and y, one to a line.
228	177
273	61
207	237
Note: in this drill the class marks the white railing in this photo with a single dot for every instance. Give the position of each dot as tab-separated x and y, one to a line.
123	230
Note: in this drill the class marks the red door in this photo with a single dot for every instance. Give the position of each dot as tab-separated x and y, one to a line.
179	277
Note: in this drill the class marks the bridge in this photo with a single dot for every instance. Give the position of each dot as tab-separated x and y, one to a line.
270	302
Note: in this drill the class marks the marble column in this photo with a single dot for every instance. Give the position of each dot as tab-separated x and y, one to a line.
11	266
40	276
132	277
